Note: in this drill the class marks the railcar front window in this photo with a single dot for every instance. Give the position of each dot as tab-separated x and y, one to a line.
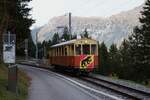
78	49
93	49
86	49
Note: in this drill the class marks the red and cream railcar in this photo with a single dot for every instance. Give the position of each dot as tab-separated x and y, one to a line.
78	55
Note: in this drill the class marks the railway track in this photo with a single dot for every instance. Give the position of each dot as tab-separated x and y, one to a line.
117	88
123	90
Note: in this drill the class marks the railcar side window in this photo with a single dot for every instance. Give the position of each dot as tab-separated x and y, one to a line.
86	49
65	51
54	52
78	49
57	52
93	49
72	49
62	51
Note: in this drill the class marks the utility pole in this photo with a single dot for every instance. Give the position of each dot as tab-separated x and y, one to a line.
70	24
36	46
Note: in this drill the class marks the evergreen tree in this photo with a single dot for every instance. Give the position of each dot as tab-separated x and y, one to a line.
15	18
74	36
86	35
55	39
103	60
66	31
7	7
114	59
125	69
48	45
23	21
140	46
66	36
31	47
40	50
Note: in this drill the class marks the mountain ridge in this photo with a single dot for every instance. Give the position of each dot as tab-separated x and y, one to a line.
112	29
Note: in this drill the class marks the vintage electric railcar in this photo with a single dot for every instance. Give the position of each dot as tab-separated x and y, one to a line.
78	55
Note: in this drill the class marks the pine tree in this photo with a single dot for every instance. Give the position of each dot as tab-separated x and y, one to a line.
103	60
140	46
40	50
48	45
23	21
15	18
31	47
86	35
66	36
7	7
125	69
114	59
55	39
74	36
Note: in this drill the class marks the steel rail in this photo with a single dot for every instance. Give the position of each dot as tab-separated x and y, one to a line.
123	90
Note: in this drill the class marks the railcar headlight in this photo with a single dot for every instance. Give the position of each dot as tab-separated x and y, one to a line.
86	41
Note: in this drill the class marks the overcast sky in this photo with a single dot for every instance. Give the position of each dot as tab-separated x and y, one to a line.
44	10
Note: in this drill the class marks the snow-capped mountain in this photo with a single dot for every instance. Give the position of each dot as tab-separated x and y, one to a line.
110	30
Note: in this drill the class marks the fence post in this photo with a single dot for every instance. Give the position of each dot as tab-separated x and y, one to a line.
12	78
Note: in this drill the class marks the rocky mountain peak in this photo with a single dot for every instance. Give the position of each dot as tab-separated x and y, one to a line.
110	30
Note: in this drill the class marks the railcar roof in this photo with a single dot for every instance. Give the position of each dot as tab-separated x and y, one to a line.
68	42
64	43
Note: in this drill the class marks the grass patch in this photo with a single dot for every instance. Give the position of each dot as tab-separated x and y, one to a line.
23	83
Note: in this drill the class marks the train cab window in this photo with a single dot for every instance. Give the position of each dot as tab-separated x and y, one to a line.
78	49
93	49
86	49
